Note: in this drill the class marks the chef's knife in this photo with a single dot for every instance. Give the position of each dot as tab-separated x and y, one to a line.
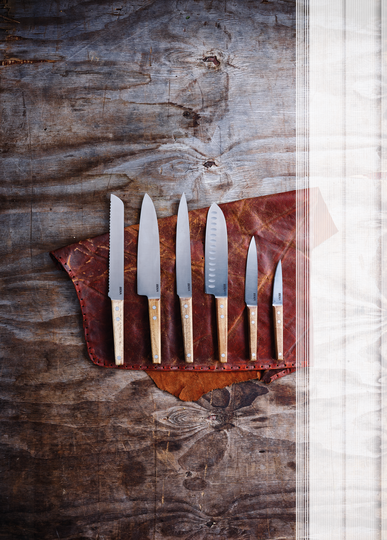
116	275
278	312
216	272
251	296
148	271
183	276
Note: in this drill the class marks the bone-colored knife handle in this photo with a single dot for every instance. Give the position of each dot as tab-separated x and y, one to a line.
155	329
187	325
118	331
221	320
278	320
252	312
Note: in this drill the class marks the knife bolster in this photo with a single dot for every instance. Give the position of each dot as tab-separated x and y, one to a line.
155	328
222	324
187	326
278	321
252	313
118	331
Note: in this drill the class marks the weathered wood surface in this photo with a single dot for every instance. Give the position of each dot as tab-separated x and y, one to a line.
127	97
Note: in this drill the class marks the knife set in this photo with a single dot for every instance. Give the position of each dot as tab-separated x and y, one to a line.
215	279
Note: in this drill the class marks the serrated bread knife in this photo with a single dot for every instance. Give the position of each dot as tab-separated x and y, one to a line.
251	297
148	271
216	272
278	318
116	275
184	277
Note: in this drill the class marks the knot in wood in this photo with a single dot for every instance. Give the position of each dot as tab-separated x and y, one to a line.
212	59
221	420
209	164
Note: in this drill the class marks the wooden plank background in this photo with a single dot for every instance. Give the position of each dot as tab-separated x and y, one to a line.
128	97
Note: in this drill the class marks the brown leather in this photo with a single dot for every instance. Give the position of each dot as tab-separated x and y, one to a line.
272	220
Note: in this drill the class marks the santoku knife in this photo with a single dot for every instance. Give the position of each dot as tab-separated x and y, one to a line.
278	312
216	272
251	297
148	271
116	275
183	276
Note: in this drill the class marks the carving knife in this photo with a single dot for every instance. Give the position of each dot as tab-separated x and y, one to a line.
216	272
183	276
148	271
251	297
116	275
278	312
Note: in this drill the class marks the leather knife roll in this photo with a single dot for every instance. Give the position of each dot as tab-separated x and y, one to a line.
271	219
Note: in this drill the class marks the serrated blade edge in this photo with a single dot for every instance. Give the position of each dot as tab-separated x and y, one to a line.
116	249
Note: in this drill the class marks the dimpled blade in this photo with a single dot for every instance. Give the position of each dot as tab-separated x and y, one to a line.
251	284
277	287
216	253
148	251
183	252
116	249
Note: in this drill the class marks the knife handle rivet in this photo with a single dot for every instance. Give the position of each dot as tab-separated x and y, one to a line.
279	313
252	322
153	307
117	308
223	355
253	313
117	318
188	356
279	322
154	317
222	316
185	305
253	355
156	356
221	305
186	316
118	357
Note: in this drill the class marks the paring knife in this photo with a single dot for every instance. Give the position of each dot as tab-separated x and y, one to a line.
216	272
116	275
278	312
148	271
183	276
251	296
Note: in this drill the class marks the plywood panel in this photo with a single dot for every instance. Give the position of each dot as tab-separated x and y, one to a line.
222	100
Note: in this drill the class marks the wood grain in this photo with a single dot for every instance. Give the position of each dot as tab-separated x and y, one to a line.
118	331
252	315
221	306
154	310
127	98
187	328
278	323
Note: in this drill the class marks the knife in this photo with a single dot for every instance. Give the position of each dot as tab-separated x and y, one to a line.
278	312
251	297
148	271
116	275
216	272
183	276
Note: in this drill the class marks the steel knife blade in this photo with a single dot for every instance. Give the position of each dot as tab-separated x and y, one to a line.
184	276
251	296
116	275
278	319
148	271
216	272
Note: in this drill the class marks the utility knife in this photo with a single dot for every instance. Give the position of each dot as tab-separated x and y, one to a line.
148	271
251	297
216	272
116	275
183	276
278	318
